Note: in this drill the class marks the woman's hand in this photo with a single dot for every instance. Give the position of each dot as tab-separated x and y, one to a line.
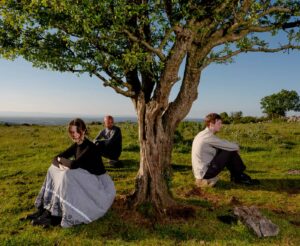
63	168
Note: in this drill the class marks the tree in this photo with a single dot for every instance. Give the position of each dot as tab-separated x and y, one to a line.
278	104
236	116
137	47
225	118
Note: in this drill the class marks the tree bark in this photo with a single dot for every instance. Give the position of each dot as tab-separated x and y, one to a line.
156	143
157	124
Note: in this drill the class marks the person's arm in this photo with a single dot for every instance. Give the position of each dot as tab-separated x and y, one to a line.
88	154
65	154
114	137
222	144
55	162
198	165
99	136
65	162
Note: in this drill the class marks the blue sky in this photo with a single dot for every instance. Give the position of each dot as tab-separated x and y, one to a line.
234	87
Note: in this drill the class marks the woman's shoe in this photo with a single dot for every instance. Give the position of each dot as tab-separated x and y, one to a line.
35	215
46	220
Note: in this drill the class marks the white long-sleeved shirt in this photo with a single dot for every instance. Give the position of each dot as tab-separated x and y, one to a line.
204	149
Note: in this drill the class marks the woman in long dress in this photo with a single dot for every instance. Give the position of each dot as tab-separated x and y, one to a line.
77	188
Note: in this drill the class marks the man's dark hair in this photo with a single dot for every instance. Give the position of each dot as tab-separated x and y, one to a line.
211	118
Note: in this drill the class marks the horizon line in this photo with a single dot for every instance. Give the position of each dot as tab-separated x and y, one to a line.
65	115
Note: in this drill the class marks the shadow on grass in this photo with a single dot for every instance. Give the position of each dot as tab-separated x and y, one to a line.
132	148
128	165
203	203
133	165
287	145
254	149
181	167
10	175
126	227
255	171
113	227
290	186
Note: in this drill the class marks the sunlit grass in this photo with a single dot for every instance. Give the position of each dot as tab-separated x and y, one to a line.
269	151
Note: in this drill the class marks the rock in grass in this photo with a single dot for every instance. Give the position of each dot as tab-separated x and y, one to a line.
252	218
294	171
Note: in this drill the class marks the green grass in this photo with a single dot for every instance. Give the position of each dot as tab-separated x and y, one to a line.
269	150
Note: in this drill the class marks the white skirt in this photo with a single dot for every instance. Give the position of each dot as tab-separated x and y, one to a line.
76	195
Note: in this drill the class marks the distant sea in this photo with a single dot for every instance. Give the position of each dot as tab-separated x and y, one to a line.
15	120
21	120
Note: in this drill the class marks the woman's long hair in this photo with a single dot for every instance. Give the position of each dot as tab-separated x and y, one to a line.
80	126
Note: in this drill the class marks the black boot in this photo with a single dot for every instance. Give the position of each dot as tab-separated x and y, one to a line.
35	214
55	220
244	179
46	220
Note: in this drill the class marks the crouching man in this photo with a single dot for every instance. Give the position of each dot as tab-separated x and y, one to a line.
109	141
210	155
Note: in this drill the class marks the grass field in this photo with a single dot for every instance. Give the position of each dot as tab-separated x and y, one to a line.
270	151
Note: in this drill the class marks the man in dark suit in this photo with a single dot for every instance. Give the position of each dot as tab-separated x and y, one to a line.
109	141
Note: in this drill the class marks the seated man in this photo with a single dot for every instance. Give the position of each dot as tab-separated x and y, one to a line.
109	141
210	155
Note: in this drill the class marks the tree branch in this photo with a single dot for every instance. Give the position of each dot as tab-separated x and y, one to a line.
166	38
274	26
112	75
72	70
169	10
223	58
176	55
291	24
188	92
106	82
273	50
241	27
145	44
133	80
274	9
147	74
260	49
246	5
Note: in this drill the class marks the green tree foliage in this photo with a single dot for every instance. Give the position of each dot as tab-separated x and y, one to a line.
112	39
278	104
236	116
225	118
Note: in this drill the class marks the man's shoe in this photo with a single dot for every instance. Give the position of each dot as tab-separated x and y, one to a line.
248	182
206	182
245	180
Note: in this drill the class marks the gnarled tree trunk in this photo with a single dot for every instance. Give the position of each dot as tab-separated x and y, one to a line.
156	143
157	123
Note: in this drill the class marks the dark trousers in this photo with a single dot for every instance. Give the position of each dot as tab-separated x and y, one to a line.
109	152
224	158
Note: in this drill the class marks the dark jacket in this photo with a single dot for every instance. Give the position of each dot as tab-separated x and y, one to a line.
109	142
86	156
